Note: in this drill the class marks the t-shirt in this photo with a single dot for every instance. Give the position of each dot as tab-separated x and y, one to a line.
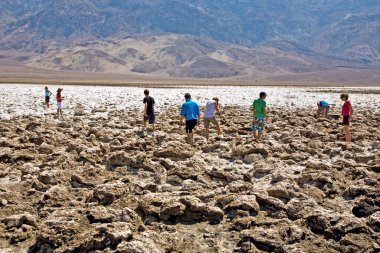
59	97
47	93
150	102
346	108
323	103
190	110
210	109
259	105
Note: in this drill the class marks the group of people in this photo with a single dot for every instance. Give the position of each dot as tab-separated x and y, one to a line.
59	99
347	111
190	114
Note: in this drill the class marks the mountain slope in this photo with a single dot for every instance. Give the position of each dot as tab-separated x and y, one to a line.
183	56
321	23
11	10
223	37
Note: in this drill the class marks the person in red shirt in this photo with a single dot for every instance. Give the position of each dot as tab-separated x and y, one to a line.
59	102
347	111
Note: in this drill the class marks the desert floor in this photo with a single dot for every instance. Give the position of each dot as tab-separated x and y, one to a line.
94	182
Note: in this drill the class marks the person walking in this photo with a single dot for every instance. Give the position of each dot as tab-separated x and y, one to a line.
259	115
149	115
59	102
323	108
212	106
190	113
347	112
48	93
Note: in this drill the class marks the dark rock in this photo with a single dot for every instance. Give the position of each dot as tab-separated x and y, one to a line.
32	126
78	182
364	209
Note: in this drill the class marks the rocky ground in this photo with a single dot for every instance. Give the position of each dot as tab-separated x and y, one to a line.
96	184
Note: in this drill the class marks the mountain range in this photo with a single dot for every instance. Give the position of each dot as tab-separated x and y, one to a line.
192	38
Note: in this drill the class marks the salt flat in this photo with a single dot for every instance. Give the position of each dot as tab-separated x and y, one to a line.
17	100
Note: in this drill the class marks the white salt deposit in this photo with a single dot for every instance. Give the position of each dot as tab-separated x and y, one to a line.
17	100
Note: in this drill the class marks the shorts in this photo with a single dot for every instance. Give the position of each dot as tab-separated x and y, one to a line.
190	124
47	100
324	108
59	104
346	120
258	124
207	121
151	118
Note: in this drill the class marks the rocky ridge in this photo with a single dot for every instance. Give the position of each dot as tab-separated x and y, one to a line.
288	41
345	29
97	184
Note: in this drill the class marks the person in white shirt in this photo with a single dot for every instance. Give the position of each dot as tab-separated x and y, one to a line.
212	106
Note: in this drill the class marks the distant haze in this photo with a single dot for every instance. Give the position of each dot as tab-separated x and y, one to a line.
197	38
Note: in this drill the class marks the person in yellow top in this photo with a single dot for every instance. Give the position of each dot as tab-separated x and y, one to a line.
259	115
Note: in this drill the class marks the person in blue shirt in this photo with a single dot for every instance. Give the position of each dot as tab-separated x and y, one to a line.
190	113
323	108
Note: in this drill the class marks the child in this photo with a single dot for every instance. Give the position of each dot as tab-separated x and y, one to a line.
47	97
259	115
149	111
59	102
323	107
347	111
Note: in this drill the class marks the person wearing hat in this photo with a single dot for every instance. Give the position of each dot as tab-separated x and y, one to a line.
47	96
212	106
259	115
59	102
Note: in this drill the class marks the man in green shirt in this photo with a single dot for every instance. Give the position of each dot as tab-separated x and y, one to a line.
259	115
